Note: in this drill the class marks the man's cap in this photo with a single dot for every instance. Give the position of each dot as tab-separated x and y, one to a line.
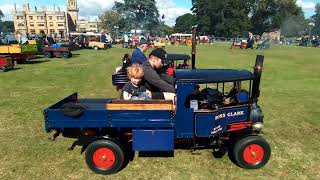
159	53
143	41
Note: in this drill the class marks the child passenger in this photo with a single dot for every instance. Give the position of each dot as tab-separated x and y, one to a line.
133	89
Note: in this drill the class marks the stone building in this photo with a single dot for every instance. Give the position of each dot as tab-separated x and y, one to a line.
51	22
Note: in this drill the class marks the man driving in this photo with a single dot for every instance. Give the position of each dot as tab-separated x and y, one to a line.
161	84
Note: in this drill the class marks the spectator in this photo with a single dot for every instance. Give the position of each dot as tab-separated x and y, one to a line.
138	56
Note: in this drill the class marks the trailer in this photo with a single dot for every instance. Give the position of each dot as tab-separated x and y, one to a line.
50	52
19	52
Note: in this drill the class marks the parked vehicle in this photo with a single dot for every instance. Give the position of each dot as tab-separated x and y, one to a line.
6	62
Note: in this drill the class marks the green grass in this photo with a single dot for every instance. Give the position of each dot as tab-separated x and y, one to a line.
290	99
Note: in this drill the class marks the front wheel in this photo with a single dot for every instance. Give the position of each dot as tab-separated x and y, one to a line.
251	152
104	157
65	55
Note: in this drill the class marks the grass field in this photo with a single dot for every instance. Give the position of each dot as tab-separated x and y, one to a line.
290	99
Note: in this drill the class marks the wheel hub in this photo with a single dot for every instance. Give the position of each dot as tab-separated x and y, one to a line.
104	158
253	154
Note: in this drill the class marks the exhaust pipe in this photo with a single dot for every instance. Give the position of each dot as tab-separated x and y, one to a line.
194	44
258	67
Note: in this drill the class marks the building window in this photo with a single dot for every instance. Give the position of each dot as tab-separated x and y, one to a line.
92	26
51	24
32	25
40	17
20	24
32	31
60	18
19	17
52	31
50	17
31	17
60	25
40	24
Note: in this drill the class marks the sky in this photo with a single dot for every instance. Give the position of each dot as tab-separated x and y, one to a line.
90	9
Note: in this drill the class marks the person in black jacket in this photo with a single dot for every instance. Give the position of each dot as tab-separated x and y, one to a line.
160	84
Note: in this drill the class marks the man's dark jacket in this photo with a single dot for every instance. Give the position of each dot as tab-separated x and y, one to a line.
157	82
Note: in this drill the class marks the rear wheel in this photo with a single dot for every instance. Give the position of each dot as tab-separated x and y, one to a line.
47	54
251	152
105	157
96	48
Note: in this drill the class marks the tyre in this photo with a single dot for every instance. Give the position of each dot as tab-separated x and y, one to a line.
251	152
47	54
70	54
96	48
2	69
105	157
65	55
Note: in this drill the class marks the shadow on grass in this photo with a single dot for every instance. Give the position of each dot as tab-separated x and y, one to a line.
8	70
33	61
156	154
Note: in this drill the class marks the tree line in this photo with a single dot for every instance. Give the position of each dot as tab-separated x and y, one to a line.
215	17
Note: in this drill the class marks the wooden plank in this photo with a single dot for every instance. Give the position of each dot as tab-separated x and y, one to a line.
159	101
111	106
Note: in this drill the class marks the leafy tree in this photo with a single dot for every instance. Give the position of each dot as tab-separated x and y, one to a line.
222	18
185	22
139	13
232	17
316	20
7	26
1	16
269	15
110	20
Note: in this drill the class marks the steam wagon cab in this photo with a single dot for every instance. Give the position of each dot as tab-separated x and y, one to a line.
216	109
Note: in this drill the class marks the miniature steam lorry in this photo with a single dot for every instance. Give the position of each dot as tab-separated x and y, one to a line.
110	129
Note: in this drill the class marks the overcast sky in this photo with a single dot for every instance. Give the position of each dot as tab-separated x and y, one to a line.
90	9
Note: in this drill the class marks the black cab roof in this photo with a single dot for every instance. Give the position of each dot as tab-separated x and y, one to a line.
212	75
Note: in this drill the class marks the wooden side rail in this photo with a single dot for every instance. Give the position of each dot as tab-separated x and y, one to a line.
140	105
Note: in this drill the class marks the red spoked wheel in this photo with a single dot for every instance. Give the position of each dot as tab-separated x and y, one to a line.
105	156
251	152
